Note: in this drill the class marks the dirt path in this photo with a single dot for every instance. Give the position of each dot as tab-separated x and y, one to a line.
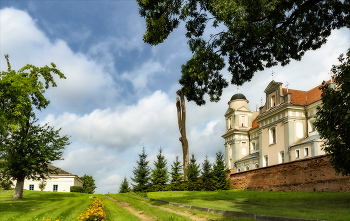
130	209
146	218
184	213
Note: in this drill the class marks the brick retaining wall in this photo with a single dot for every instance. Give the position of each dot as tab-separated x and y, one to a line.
307	175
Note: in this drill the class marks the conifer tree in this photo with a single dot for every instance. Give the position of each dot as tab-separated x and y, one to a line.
192	174
141	173
124	186
207	175
176	175
220	172
160	175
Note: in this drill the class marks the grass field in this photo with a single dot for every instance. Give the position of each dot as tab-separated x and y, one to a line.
38	205
315	205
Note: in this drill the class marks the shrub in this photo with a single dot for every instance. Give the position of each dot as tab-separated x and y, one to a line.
6	184
78	189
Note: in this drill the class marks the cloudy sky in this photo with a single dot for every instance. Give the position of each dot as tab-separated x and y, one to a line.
119	95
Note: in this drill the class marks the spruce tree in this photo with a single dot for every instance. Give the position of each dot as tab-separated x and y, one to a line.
220	172
192	174
176	175
141	173
207	175
124	186
160	172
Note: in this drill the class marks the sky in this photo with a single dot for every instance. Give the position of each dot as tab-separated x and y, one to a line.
119	93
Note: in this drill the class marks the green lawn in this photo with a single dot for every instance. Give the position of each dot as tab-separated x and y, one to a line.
315	205
38	205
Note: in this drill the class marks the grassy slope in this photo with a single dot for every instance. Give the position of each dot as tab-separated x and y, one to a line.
317	205
42	205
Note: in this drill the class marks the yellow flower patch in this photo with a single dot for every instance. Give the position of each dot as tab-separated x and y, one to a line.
94	213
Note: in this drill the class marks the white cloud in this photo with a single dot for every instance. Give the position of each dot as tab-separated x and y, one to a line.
87	83
141	76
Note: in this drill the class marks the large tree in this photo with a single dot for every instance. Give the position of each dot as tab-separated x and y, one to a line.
141	173
333	117
247	35
89	184
27	148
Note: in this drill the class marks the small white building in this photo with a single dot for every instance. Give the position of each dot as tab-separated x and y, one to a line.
60	182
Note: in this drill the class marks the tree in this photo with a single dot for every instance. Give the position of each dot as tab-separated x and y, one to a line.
160	176
42	185
141	173
333	117
88	184
192	174
207	175
27	149
124	186
250	36
220	172
181	119
176	175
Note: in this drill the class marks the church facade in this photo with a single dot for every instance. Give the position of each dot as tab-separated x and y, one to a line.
281	131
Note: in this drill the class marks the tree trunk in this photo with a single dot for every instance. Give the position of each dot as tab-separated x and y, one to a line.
19	188
181	118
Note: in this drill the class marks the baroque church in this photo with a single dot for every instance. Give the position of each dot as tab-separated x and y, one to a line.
281	131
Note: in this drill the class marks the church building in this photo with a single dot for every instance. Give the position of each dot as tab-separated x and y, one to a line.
281	131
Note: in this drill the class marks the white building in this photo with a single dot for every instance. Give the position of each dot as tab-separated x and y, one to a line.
281	131
60	182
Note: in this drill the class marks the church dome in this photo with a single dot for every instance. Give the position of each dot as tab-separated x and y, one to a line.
238	96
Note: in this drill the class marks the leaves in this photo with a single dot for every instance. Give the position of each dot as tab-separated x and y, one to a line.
333	118
248	35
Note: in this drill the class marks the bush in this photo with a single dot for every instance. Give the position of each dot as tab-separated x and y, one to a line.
78	189
6	184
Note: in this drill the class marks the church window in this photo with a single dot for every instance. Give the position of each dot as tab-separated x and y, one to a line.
300	130
306	151
273	100
297	154
266	160
281	157
272	135
243	122
256	166
253	147
244	151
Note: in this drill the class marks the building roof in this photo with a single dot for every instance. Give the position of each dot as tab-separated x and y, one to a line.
238	96
303	98
250	156
60	171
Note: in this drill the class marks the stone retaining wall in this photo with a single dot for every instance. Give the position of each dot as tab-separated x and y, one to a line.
306	175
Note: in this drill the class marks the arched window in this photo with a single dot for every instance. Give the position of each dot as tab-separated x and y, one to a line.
247	168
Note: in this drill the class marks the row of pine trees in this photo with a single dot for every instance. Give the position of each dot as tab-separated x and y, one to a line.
199	177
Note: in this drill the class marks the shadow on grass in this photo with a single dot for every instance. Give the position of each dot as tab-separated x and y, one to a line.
315	205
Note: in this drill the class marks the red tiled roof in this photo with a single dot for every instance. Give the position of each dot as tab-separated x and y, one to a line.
299	97
254	123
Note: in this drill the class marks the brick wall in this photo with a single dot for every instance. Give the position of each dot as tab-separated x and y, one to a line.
307	175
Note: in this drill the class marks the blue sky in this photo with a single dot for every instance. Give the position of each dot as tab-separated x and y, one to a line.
119	94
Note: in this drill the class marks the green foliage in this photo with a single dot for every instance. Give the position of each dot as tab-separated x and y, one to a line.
193	175
159	174
26	149
249	35
89	184
333	118
207	175
141	173
124	186
176	175
220	172
42	185
77	189
6	184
